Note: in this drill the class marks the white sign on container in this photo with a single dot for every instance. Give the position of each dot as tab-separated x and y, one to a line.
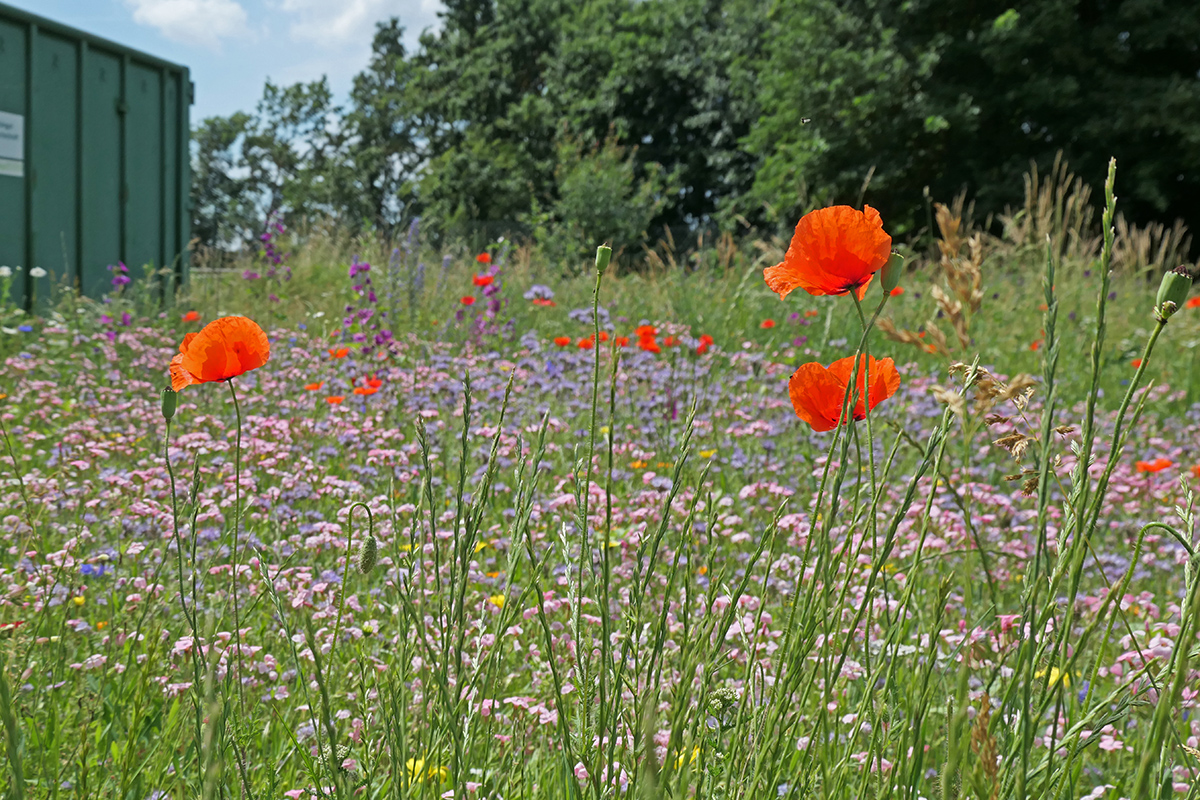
12	144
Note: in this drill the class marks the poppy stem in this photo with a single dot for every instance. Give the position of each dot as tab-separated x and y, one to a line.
237	519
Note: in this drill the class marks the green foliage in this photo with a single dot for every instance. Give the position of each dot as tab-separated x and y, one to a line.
958	94
599	198
756	110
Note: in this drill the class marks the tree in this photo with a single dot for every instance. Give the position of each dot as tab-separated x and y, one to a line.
962	93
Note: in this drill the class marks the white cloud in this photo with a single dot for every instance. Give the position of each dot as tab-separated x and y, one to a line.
202	22
336	23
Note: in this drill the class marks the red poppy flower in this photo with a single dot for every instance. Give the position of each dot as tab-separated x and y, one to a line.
585	344
466	301
604	336
767	323
899	290
646	330
1137	362
833	251
1035	345
191	316
335	400
366	389
223	349
622	341
1196	471
1157	465
670	341
341	353
542	301
1193	303
484	258
374	382
705	342
483	280
817	392
648	344
562	341
314	387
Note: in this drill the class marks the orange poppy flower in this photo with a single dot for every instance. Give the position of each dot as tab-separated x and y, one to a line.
1157	465
483	280
1196	469
622	341
335	400
1193	303
466	301
191	316
604	336
342	353
834	250
817	392
899	290
812	312
223	349
314	387
542	301
366	389
562	341
767	323
484	258
585	344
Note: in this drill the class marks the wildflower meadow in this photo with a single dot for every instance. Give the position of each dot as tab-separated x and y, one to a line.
839	515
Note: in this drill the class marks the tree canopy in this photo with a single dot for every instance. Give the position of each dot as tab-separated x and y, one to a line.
527	116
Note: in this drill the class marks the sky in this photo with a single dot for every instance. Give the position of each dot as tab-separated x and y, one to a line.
233	46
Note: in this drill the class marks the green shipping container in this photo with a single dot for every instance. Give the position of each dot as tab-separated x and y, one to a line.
93	158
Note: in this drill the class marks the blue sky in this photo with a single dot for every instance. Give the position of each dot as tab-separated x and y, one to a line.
233	46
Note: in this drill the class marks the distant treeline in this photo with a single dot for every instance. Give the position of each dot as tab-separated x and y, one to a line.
579	120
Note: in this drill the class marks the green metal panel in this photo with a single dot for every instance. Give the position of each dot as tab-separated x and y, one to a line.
12	188
143	168
101	213
104	171
53	139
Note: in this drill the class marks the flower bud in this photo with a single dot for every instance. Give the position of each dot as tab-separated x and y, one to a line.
889	276
169	398
603	256
1172	293
368	554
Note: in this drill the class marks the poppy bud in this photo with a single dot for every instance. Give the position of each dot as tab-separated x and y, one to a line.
889	276
1172	293
169	398
368	554
603	255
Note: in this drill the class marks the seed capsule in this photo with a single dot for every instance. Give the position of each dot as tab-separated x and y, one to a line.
603	256
368	554
1172	293
889	276
169	400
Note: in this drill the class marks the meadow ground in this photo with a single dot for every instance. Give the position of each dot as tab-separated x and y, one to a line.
510	548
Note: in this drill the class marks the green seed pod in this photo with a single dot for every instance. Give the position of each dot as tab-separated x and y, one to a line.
169	399
603	256
1172	293
889	276
368	554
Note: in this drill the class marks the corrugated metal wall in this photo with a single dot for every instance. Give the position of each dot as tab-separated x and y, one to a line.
93	156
